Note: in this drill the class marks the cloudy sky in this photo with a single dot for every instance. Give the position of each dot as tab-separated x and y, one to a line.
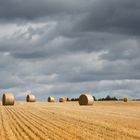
66	47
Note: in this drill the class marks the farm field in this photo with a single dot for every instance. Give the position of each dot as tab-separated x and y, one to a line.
69	121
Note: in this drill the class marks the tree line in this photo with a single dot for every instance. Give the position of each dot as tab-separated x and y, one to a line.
107	98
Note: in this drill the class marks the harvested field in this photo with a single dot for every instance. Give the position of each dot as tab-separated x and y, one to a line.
69	121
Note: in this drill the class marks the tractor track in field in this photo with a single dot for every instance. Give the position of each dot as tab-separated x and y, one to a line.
23	130
4	124
12	126
51	125
30	129
35	122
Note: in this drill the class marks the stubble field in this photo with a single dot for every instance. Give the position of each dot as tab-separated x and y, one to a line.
69	121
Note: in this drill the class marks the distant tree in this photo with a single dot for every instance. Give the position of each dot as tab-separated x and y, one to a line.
74	99
114	98
108	98
77	99
94	98
68	99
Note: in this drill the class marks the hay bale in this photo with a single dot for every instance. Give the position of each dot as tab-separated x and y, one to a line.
125	99
51	99
8	99
62	99
86	99
30	98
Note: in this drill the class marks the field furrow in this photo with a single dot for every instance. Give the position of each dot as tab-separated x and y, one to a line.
32	130
56	129
43	132
6	132
20	126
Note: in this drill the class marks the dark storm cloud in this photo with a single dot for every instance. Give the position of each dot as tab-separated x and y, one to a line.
31	9
109	16
113	16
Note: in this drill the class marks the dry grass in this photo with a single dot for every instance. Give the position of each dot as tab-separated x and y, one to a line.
44	121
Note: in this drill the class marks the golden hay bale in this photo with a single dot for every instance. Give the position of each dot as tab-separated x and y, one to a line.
125	99
62	99
51	99
8	99
86	99
30	98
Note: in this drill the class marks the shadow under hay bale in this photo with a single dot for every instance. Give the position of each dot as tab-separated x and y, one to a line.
51	99
8	99
62	99
30	98
86	99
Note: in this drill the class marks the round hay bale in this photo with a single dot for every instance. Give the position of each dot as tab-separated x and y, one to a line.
125	99
51	99
30	98
62	99
8	99
86	99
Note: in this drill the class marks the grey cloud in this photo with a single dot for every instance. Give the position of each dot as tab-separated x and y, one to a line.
113	16
29	55
8	80
79	46
124	50
32	9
